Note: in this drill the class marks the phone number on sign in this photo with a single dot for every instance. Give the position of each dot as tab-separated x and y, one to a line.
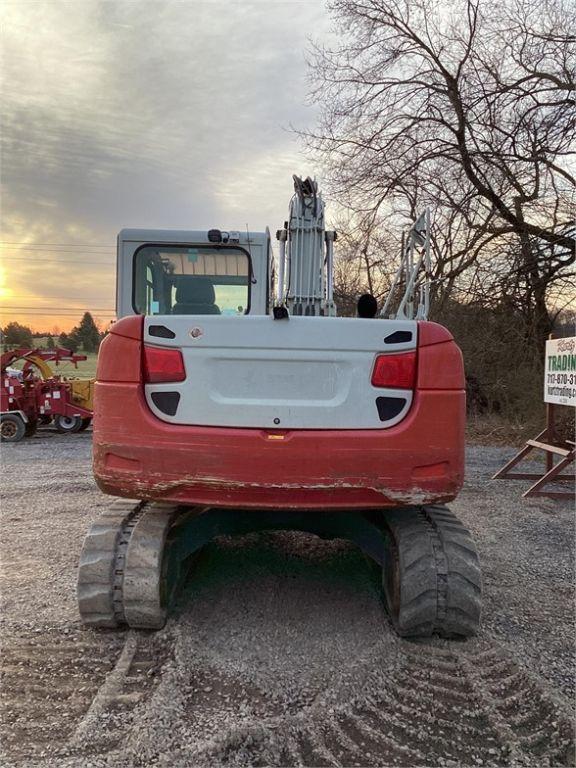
561	378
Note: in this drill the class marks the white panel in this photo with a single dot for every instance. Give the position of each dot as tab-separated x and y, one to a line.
301	373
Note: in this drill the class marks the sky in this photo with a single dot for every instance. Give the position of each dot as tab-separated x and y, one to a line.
141	114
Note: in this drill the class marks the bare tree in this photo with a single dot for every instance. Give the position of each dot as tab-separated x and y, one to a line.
469	107
368	255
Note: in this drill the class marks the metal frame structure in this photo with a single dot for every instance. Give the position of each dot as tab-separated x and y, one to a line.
306	260
414	274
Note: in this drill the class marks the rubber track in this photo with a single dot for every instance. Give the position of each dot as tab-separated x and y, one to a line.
440	584
142	588
98	580
120	573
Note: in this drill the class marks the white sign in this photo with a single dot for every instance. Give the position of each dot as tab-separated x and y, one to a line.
560	372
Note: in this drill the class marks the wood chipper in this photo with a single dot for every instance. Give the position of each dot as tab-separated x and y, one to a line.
230	398
33	394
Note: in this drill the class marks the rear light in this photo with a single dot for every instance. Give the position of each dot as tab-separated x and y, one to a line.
161	364
395	371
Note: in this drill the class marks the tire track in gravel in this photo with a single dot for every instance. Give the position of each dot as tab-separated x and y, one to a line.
48	681
275	666
110	717
448	706
65	695
55	487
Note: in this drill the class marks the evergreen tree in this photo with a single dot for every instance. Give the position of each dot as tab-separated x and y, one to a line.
74	340
16	335
69	341
87	333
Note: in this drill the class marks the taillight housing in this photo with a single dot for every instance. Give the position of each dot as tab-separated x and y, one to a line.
395	371
163	364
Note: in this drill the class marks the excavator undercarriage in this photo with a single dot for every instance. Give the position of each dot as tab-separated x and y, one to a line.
137	554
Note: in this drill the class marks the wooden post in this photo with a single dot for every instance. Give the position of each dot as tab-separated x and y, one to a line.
550	433
550	427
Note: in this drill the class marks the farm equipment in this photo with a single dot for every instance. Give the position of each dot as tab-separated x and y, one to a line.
34	395
227	401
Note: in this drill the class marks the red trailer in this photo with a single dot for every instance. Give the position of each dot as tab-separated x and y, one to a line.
33	394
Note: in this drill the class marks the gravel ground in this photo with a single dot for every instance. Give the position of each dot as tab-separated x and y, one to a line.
279	652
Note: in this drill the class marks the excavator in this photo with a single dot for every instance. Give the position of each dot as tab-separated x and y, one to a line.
230	398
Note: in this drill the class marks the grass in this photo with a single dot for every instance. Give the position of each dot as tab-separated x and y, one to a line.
86	368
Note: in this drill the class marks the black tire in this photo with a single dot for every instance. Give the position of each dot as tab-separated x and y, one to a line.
12	428
31	427
85	423
431	576
67	424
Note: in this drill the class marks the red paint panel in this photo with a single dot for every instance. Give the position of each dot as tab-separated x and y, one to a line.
131	327
432	333
308	469
119	359
431	470
440	366
121	462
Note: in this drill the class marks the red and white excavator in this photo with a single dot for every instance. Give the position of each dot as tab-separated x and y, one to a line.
230	398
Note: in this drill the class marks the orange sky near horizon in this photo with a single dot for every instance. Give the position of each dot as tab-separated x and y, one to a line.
70	286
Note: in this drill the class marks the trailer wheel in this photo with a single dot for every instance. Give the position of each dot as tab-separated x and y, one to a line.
31	427
67	423
431	576
85	424
12	428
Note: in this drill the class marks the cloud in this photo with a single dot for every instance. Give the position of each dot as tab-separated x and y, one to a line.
111	104
162	114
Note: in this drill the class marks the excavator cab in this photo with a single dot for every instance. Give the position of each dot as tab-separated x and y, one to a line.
228	400
186	273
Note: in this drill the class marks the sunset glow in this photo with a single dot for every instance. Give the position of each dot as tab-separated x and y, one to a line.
5	292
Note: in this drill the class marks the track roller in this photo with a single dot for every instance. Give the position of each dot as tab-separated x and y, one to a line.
121	578
431	574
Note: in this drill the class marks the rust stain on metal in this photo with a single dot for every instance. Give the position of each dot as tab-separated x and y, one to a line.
153	489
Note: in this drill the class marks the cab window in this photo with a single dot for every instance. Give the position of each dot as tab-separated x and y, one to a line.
191	280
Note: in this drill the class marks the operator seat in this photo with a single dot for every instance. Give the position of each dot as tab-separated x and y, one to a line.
195	296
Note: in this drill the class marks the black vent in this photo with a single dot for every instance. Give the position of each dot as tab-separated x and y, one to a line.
388	407
398	337
161	331
167	402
